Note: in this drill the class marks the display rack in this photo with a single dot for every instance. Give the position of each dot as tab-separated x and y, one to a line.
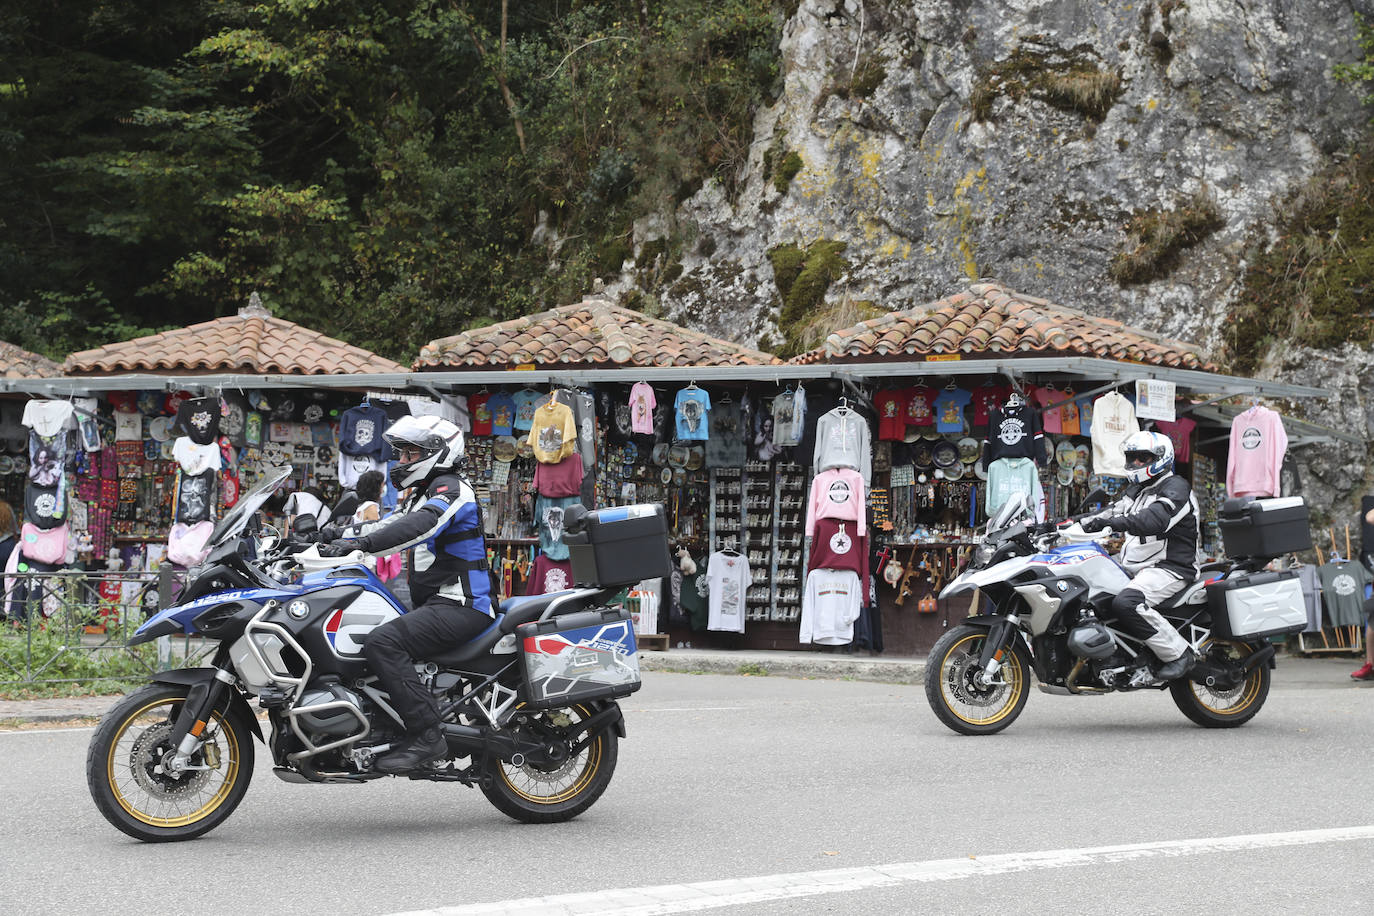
759	530
787	572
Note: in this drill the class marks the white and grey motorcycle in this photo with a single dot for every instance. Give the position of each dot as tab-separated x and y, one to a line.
1041	592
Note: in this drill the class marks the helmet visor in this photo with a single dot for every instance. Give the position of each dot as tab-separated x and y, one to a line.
1140	459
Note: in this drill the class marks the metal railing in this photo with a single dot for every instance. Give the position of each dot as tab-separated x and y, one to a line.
72	627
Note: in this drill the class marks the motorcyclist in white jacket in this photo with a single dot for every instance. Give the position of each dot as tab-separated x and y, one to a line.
1159	515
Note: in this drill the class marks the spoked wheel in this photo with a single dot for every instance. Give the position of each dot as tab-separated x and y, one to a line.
564	784
959	694
127	774
1223	707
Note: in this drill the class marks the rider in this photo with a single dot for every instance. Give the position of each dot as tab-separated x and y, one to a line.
450	585
1159	516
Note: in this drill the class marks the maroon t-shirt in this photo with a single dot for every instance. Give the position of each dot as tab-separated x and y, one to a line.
561	479
549	576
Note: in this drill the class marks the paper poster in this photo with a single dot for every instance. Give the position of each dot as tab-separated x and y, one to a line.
1154	400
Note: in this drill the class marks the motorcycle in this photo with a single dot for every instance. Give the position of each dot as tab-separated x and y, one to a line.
528	706
1045	590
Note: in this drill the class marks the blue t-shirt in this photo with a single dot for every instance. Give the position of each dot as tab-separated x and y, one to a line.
526	402
949	410
693	407
502	407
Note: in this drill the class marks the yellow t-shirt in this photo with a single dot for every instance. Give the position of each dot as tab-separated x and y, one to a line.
554	433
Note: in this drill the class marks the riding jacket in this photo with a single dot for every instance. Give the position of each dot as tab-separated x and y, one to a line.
1160	521
443	523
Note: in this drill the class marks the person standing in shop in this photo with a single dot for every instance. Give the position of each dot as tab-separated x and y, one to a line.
1366	671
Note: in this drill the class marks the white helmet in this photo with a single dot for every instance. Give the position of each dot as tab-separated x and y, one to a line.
439	441
1148	455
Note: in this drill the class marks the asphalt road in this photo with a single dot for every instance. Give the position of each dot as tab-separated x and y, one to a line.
734	781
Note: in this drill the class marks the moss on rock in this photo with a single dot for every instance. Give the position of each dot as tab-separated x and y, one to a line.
803	277
1155	238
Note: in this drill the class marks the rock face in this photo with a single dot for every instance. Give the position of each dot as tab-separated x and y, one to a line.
947	140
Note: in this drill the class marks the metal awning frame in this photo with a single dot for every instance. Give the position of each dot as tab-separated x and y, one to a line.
858	374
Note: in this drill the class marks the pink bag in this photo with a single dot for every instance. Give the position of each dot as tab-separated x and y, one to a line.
41	546
389	567
186	544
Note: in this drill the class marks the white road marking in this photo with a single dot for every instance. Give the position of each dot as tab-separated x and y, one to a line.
665	899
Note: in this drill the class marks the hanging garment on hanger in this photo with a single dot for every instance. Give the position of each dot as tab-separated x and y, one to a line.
726	446
920	406
553	433
527	401
693	409
1014	432
502	408
1113	420
949	409
360	432
843	441
1258	444
730	579
789	417
891	406
838	493
48	418
830	605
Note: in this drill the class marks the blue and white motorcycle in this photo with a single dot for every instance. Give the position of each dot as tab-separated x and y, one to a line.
1039	594
528	705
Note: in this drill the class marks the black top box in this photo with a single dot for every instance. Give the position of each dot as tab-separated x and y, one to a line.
1264	527
620	546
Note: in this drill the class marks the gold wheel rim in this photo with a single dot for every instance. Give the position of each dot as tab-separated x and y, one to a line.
1011	670
231	760
1245	694
590	767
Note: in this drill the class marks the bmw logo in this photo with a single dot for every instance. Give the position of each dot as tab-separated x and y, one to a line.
298	609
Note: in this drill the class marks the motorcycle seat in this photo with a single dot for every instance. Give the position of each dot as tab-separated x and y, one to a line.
1188	595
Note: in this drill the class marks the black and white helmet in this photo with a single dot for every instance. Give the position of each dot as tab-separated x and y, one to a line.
1148	455
439	441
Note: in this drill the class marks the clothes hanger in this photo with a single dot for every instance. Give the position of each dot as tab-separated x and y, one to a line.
951	386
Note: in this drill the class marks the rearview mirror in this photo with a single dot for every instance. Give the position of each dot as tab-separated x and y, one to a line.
1097	495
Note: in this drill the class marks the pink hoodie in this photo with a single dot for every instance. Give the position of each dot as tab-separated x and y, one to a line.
1258	444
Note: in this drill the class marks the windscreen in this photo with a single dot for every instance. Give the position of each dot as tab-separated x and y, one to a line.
236	519
1010	509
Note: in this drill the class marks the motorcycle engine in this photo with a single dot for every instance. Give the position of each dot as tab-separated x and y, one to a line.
336	720
1090	639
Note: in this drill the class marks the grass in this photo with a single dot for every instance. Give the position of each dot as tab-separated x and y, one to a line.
1156	238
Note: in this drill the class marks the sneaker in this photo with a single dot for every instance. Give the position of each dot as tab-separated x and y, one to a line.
1363	673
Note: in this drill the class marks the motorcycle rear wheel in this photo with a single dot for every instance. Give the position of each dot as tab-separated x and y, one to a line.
1211	707
958	700
123	768
549	793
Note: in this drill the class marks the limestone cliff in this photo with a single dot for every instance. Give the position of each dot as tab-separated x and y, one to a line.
1046	143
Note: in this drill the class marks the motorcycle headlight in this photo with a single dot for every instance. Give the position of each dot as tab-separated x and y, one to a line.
982	555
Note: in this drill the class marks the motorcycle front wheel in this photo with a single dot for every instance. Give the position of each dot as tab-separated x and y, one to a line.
124	768
957	696
563	786
1213	707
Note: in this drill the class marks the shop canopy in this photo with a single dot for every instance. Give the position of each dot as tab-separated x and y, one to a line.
987	330
252	343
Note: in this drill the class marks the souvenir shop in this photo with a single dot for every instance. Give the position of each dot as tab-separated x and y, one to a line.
808	506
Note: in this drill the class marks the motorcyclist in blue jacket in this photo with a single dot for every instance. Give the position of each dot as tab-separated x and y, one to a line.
440	521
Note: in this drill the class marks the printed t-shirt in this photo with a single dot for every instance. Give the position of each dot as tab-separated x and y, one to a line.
1180	433
481	414
836	545
548	576
949	409
693	406
919	406
351	467
1052	420
252	429
1343	592
1085	416
195	458
730	580
526	403
553	433
193	497
695	598
642	405
233	415
548	514
1068	417
360	431
502	408
48	418
45	507
789	417
891	406
985	398
725	448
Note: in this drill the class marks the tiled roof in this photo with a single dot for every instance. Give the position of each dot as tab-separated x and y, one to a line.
17	363
594	332
988	319
250	342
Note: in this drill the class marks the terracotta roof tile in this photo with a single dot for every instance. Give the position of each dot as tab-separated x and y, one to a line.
988	319
594	332
18	363
251	342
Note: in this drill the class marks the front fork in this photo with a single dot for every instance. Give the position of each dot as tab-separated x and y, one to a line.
189	731
1000	635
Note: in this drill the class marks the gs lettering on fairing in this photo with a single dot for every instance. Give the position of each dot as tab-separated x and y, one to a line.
173	759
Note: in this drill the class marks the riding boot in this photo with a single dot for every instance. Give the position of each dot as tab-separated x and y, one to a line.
1178	667
418	749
